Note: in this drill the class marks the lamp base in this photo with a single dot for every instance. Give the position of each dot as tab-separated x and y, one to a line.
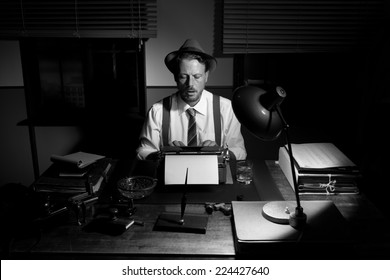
298	218
282	212
278	211
193	223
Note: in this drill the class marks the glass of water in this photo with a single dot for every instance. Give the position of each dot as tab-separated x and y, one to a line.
244	171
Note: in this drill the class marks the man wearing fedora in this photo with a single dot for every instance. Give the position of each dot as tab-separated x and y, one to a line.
192	116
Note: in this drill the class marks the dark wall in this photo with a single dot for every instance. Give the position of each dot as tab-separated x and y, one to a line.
323	93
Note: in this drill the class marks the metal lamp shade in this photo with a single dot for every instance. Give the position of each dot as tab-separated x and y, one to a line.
253	108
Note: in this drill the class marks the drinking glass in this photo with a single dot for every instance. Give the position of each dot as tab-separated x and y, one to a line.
244	171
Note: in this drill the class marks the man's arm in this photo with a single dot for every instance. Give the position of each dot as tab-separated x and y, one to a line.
232	130
150	137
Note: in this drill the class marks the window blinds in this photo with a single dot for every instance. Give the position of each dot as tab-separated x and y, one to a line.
78	18
283	26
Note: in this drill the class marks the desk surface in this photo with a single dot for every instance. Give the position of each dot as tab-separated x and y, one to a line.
67	240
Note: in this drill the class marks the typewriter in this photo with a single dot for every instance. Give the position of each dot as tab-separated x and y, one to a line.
221	153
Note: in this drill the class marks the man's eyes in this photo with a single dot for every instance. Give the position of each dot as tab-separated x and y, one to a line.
184	77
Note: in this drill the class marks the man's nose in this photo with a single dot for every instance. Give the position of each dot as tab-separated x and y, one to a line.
190	81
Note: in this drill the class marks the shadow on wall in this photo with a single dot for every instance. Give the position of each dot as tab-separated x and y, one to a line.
114	137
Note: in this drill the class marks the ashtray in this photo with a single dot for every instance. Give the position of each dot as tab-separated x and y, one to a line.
136	187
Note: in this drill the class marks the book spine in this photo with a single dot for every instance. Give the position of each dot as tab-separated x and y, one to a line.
99	174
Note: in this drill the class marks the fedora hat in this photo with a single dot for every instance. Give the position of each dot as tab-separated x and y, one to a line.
189	46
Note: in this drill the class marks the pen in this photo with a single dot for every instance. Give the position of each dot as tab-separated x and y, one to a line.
184	200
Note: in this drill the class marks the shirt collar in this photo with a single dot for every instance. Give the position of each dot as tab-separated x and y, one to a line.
200	107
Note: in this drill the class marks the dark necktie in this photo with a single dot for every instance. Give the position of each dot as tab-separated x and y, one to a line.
192	139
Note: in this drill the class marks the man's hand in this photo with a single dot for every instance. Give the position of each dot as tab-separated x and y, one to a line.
177	143
209	143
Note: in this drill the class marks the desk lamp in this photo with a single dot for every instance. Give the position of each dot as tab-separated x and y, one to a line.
258	109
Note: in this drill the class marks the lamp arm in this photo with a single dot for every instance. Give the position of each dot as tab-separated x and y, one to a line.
299	217
290	153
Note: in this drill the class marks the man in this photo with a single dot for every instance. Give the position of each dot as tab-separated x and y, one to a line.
191	66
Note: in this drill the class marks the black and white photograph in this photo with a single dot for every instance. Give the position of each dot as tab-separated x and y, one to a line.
194	139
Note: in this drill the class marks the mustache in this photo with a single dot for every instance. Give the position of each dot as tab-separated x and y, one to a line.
186	89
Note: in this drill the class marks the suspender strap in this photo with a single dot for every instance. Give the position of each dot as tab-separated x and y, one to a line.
166	118
217	119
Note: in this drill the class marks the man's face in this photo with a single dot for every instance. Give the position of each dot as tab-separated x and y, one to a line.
191	80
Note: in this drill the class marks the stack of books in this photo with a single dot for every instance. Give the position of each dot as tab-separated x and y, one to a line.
75	174
320	168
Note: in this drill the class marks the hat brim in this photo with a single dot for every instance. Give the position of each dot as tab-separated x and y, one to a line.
170	59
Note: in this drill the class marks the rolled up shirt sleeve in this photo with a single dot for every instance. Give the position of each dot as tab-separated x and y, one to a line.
151	132
232	131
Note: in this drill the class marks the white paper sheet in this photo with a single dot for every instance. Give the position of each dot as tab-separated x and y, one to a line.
202	169
320	155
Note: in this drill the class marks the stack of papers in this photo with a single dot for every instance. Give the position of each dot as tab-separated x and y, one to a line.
320	168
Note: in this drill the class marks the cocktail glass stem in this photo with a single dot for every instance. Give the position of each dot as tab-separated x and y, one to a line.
131	209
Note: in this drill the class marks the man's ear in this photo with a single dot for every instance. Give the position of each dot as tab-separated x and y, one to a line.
206	76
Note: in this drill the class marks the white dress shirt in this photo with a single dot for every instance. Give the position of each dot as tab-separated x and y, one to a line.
151	133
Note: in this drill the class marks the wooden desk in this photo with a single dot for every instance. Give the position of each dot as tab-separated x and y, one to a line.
70	241
67	240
